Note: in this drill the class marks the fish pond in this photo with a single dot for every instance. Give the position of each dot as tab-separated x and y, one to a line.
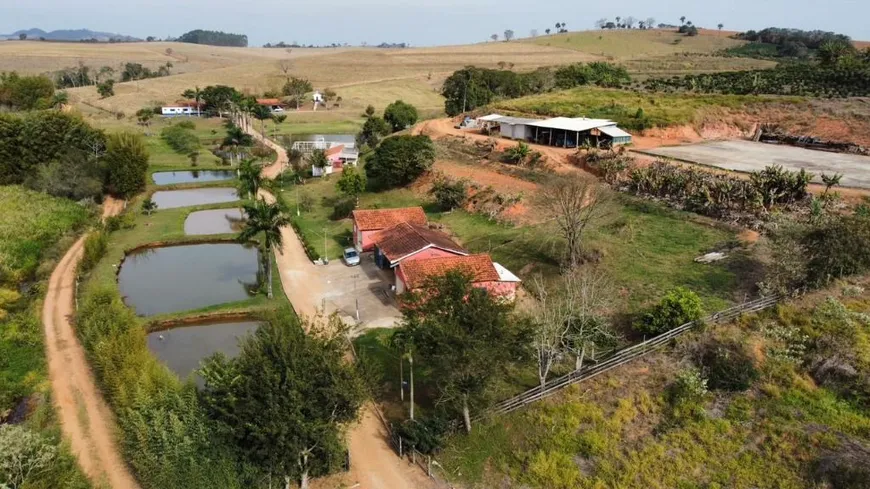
192	176
170	199
184	348
213	221
180	278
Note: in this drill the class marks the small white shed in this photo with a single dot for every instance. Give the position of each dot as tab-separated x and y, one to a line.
515	127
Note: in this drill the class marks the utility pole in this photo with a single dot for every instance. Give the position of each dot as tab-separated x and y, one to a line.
297	199
411	367
356	296
325	258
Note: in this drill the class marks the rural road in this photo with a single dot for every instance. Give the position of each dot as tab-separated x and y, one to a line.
373	464
85	418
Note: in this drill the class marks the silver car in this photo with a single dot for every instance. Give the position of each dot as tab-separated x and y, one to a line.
351	257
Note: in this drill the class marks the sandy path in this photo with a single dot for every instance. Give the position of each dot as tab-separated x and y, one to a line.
85	418
373	464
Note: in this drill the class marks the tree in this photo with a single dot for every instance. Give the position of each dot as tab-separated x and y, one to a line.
73	174
149	206
650	22
559	26
547	30
352	183
465	337
144	116
262	113
720	26
629	22
250	178
296	88
126	163
285	398
59	99
400	115
372	131
494	37
618	18
576	203
600	23
682	19
267	219
508	35
370	111
400	160
26	92
194	94
318	159
23	456
106	89
519	153
194	157
22	37
218	98
533	33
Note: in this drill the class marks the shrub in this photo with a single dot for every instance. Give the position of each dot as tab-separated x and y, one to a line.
94	250
553	470
678	307
686	395
127	164
312	253
727	366
838	248
426	434
343	207
517	154
23	456
450	194
180	138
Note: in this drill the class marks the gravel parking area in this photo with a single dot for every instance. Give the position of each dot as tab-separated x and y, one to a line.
748	156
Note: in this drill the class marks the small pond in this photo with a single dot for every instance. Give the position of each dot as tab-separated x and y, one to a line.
180	278
182	349
170	199
213	221
193	176
339	138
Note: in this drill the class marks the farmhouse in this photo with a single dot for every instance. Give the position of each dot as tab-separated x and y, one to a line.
185	107
368	222
338	155
407	242
563	132
415	274
274	104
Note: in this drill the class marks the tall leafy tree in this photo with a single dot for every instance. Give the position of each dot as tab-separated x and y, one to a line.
25	92
266	219
465	337
296	88
372	131
250	178
400	160
287	396
126	163
400	115
217	98
352	183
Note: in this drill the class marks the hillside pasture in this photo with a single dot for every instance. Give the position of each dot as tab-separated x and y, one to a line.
623	44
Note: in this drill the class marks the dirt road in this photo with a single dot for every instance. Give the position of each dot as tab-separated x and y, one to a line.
373	464
85	418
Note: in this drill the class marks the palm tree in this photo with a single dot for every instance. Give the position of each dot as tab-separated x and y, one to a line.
265	218
250	179
683	19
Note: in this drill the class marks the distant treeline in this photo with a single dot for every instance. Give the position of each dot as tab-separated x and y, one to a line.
214	38
473	87
83	75
774	42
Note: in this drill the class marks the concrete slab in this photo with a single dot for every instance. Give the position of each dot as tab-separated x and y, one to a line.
344	287
748	156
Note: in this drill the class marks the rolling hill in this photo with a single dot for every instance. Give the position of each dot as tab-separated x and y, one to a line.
68	35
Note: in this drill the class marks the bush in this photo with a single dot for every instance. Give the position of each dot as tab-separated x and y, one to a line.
372	131
25	92
678	307
95	249
400	160
838	248
727	366
180	138
426	434
23	456
450	194
127	164
686	395
400	115
312	253
343	207
553	470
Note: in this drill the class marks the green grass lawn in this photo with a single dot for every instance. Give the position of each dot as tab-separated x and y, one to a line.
622	106
293	126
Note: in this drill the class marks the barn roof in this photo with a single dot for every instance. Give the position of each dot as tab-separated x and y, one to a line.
614	132
404	239
418	272
375	219
515	120
578	124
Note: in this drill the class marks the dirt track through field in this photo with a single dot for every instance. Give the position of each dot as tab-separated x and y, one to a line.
86	420
373	464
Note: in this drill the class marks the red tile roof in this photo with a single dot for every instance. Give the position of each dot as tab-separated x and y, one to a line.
419	272
337	149
404	239
375	219
269	101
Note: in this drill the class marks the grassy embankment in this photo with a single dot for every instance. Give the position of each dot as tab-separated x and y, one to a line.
621	430
35	232
637	111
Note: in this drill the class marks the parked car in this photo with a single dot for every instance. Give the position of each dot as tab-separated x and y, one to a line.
351	257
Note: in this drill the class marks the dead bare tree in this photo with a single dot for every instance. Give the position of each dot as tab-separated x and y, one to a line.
285	66
548	314
575	203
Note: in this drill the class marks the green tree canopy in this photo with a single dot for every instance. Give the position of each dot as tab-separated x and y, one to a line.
465	337
217	98
372	131
286	397
400	115
25	92
126	164
400	160
262	218
296	88
352	182
214	38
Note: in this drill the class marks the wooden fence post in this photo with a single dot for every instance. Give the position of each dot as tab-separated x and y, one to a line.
400	447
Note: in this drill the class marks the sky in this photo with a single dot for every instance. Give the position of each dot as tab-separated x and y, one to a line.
420	23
